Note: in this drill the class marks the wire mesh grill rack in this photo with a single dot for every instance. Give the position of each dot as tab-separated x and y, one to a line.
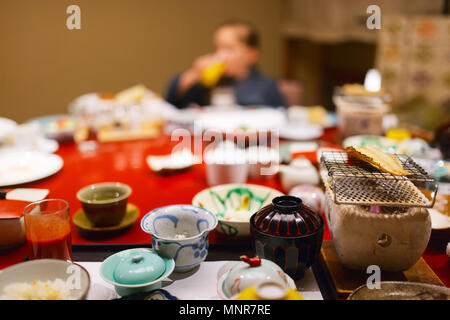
353	181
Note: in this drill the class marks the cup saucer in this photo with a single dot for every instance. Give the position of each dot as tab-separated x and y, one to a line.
82	222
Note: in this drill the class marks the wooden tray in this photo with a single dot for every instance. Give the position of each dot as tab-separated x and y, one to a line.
343	280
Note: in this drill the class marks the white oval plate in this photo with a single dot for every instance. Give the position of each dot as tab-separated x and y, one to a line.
301	132
27	166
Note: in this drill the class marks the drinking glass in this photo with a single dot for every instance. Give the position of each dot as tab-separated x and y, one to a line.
47	228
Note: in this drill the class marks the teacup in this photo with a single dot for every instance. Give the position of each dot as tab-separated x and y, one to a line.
225	164
105	204
180	232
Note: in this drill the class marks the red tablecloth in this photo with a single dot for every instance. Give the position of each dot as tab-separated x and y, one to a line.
125	162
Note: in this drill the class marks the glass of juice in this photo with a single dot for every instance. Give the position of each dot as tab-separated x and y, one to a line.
47	228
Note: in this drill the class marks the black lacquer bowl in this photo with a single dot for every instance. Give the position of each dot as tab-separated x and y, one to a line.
288	233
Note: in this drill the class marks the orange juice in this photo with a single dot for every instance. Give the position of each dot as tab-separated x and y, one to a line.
211	75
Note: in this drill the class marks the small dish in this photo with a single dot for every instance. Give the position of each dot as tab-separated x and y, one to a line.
293	149
180	232
104	204
47	270
302	132
233	204
300	171
311	196
439	221
400	290
136	270
58	127
381	142
131	216
158	294
172	163
250	272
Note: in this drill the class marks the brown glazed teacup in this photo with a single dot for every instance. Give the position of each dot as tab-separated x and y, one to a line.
105	204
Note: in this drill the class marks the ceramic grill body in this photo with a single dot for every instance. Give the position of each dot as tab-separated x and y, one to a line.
288	233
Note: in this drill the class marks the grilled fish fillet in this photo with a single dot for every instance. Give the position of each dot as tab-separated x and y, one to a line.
382	161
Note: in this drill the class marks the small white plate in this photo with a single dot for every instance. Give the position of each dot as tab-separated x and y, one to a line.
439	221
27	194
27	166
172	162
301	132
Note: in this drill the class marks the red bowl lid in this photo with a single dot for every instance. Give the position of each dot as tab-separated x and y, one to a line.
287	216
12	209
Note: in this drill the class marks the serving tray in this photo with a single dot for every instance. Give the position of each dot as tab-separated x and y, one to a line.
344	281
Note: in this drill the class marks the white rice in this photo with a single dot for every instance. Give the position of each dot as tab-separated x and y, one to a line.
37	290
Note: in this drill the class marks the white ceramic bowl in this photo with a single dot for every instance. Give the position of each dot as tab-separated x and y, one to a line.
180	232
300	171
240	276
230	197
311	196
48	270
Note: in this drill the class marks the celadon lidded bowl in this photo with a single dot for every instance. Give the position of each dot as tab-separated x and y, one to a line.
136	270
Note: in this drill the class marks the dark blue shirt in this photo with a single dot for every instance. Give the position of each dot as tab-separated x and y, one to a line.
255	90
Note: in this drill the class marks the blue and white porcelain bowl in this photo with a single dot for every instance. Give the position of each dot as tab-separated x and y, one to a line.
180	232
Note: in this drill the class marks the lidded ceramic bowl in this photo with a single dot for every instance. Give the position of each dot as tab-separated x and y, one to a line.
288	233
251	272
136	270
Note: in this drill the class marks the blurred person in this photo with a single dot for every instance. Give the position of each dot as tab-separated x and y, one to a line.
237	48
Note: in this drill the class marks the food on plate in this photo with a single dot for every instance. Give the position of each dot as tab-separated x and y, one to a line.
107	96
311	114
377	158
60	124
317	115
240	213
37	290
357	89
131	95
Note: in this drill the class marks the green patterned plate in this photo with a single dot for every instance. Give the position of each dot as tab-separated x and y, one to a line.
227	199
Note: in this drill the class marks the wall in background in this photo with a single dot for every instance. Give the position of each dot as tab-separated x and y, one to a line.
43	65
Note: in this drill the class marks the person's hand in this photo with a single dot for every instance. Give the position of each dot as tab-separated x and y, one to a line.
193	75
202	63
